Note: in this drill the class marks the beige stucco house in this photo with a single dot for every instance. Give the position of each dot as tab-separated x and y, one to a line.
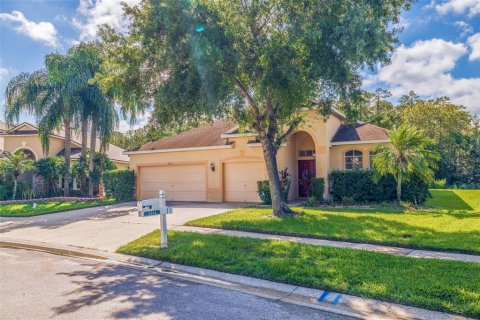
217	163
25	137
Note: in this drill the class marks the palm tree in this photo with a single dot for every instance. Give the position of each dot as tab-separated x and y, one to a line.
15	164
62	95
104	122
43	94
97	108
407	154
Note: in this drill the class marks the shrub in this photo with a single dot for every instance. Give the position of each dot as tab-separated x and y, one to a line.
360	186
285	183
23	190
263	187
50	169
438	184
310	202
119	184
264	192
3	192
317	186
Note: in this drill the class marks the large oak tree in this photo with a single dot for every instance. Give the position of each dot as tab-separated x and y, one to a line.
260	61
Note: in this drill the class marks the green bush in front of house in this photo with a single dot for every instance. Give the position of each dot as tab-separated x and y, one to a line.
119	184
263	187
317	187
360	186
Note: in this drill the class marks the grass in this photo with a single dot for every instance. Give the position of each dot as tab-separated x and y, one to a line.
27	210
455	199
440	228
449	286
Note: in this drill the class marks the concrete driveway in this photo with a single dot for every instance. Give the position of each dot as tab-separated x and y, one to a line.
103	228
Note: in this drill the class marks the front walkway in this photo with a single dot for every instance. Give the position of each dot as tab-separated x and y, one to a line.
340	244
103	228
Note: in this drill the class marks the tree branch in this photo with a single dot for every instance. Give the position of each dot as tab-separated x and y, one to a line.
291	130
251	103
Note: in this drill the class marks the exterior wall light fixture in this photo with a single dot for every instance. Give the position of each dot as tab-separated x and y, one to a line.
212	166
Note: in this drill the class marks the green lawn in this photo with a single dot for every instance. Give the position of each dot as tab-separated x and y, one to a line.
455	199
27	210
434	284
441	228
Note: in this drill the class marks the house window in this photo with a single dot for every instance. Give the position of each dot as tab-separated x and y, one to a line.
353	159
306	153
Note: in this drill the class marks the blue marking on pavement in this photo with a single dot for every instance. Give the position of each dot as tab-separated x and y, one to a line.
337	299
323	296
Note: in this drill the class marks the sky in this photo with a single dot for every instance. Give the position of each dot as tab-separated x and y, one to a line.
438	54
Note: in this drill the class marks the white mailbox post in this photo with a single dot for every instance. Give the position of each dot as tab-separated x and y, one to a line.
156	206
163	218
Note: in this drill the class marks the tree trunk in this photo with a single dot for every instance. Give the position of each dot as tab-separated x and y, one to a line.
93	142
14	188
279	206
399	187
68	145
83	157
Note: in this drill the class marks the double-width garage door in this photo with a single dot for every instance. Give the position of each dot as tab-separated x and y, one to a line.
180	182
240	181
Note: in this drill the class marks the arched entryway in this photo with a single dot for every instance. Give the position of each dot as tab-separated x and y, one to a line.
28	176
300	155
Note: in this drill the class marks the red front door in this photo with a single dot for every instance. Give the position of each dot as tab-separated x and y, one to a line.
306	171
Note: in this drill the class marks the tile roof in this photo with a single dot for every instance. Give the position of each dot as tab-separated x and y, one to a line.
114	153
359	132
208	135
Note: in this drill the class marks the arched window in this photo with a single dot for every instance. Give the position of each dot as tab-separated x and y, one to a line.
28	153
353	159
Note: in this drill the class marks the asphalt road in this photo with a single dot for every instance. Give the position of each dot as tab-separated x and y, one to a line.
37	285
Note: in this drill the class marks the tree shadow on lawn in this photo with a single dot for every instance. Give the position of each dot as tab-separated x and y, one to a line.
364	229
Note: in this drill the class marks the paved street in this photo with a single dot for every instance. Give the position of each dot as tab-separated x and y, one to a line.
36	285
102	228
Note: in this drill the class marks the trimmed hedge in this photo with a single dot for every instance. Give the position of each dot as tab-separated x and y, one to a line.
119	184
317	186
360	186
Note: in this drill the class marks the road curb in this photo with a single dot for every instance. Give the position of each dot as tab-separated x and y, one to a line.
334	302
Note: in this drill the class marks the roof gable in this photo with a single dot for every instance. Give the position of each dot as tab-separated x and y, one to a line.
25	128
208	135
359	132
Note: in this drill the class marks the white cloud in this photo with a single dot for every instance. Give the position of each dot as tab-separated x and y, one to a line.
465	27
459	7
3	72
474	43
39	31
93	13
425	67
141	121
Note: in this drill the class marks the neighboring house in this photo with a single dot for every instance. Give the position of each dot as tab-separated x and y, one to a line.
25	137
216	162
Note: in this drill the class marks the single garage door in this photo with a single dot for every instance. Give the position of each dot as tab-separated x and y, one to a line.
240	181
180	182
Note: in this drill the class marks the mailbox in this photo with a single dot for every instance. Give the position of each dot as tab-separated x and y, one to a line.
151	207
156	206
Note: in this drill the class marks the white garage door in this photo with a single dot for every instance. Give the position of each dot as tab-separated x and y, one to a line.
180	182
240	181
